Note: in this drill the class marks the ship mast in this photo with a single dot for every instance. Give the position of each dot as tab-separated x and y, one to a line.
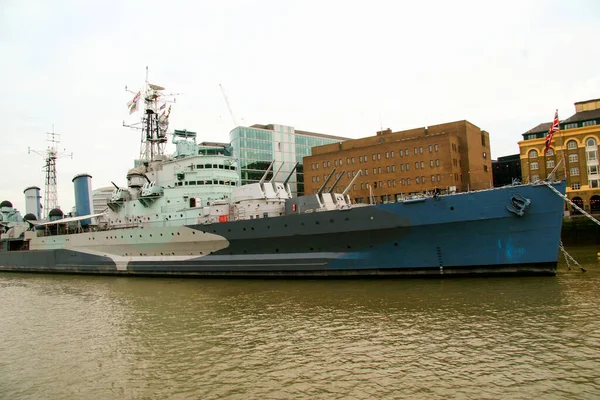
50	155
154	121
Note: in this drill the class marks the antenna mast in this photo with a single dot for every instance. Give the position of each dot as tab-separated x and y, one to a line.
51	155
154	122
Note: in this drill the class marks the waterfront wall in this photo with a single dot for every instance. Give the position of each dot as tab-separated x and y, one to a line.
580	230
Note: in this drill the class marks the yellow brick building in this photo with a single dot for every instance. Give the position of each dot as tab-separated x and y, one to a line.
577	142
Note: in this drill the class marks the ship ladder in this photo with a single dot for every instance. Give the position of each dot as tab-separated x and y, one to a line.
565	198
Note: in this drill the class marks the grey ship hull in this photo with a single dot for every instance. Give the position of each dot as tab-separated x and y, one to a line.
466	234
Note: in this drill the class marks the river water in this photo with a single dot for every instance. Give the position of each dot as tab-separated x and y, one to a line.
80	337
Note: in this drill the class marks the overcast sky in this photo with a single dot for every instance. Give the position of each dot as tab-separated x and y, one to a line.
344	68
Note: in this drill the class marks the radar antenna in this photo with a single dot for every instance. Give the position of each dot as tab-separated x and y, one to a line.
50	155
154	123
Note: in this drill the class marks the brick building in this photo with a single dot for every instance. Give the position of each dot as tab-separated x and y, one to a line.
577	142
451	157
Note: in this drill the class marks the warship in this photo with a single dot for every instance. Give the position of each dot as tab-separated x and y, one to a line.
186	214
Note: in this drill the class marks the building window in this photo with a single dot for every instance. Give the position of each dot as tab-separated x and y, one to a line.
574	171
534	165
379	156
550	164
432	178
533	154
374	157
417	165
592	155
593	170
387	154
422	164
535	178
421	149
573	158
416	150
408	181
431	163
362	185
437	163
571	145
407	166
387	169
394	183
354	186
374	171
417	180
591	142
484	155
378	170
392	154
570	126
352	160
393	168
430	148
401	167
360	159
594	183
389	183
550	152
400	153
402	182
366	172
341	161
485	168
588	123
435	147
438	177
575	186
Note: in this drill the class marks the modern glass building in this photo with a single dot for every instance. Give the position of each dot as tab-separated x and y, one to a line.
257	146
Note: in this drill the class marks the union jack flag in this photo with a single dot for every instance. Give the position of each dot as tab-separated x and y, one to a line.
554	128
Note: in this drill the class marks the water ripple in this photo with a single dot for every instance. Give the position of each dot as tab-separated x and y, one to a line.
103	338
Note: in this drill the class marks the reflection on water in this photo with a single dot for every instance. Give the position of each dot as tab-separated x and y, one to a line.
106	337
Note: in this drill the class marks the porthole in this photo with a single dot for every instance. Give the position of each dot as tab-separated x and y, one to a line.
451	208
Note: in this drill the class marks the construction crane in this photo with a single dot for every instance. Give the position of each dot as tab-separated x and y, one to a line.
228	106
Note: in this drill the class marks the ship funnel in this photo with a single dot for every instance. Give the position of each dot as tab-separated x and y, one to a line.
83	196
32	201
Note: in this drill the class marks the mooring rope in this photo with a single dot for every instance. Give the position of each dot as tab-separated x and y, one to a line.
562	248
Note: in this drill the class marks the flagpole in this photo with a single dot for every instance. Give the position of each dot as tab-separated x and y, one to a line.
562	146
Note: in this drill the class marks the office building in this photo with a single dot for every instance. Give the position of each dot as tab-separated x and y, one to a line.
451	157
257	146
507	170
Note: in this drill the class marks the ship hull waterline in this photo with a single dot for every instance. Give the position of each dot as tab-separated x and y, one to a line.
459	235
